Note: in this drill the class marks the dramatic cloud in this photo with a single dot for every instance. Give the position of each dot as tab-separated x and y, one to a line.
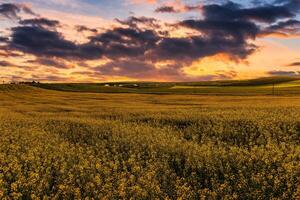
177	7
283	73
3	39
293	5
131	68
11	11
115	43
40	22
138	21
126	42
43	42
50	62
283	28
188	49
145	47
82	28
232	11
167	9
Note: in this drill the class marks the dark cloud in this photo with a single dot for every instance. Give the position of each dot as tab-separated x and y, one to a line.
5	64
11	11
27	10
43	42
116	43
166	9
193	8
285	24
232	11
40	41
283	73
82	28
3	39
294	64
288	27
228	28
50	62
292	5
126	42
172	9
137	21
40	22
133	42
232	30
230	37
224	28
130	68
189	49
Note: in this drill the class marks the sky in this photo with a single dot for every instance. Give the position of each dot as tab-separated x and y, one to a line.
148	40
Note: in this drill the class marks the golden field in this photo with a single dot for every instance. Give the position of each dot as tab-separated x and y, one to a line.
65	145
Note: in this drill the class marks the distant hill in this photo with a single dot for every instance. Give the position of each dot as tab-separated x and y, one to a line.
248	82
260	86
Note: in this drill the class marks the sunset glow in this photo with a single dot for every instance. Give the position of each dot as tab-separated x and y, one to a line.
147	40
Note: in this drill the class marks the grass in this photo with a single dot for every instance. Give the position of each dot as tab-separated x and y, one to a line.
72	145
262	86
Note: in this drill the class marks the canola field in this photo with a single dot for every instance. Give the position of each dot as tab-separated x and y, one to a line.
65	145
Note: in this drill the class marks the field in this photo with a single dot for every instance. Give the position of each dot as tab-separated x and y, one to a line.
76	145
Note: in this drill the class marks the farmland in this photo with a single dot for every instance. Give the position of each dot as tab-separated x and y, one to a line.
74	144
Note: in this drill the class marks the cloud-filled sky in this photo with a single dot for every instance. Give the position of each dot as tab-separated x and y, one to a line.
148	40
